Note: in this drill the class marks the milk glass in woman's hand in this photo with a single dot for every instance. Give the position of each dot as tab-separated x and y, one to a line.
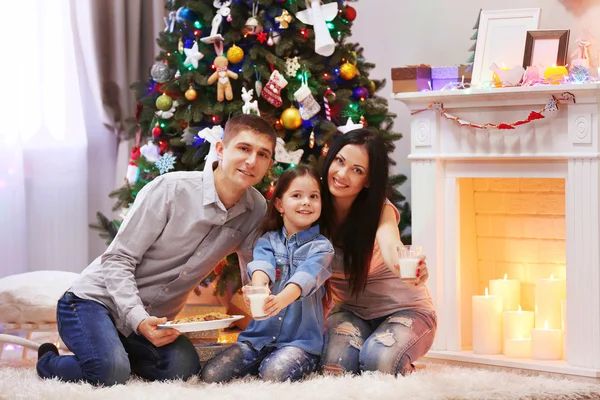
409	258
257	294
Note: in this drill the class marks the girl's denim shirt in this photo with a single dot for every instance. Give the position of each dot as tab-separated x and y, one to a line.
304	259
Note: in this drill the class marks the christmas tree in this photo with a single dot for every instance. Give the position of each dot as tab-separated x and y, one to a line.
286	60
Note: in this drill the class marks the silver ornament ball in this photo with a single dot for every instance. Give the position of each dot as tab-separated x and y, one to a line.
160	72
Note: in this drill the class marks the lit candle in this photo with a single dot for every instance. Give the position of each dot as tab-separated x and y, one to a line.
555	74
549	293
517	324
487	324
509	290
546	344
517	348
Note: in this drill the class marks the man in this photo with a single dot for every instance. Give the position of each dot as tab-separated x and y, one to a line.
178	229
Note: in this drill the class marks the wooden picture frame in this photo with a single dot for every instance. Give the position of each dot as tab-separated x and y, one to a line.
501	40
546	48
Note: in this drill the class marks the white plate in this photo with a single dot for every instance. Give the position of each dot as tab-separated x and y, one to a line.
201	326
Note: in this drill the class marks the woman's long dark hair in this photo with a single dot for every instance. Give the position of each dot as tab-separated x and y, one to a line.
273	220
356	234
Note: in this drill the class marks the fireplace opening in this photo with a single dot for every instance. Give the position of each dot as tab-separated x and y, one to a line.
512	244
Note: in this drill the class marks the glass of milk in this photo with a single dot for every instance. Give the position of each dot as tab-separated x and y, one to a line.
409	257
257	295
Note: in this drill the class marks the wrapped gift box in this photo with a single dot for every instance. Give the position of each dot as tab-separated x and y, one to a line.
441	76
412	78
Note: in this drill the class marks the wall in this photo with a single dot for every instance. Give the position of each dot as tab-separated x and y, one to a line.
395	33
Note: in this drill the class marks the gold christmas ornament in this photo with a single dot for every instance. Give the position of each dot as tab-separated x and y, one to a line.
291	119
347	71
284	19
372	87
164	102
311	140
190	94
235	54
180	45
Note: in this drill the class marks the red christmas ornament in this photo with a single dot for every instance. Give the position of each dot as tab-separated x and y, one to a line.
350	13
269	194
277	273
156	131
261	37
163	146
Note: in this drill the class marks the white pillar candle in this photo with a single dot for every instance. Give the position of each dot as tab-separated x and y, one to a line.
549	294
546	344
509	290
517	348
517	324
487	324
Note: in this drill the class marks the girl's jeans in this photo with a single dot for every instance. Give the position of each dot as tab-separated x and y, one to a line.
270	363
387	344
102	356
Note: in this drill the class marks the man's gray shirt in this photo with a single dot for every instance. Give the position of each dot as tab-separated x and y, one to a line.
173	236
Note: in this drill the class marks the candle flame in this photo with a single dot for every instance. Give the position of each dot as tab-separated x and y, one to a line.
505	276
486	292
520	308
551	276
546	325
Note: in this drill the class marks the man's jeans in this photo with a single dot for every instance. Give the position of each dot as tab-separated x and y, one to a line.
270	363
388	344
102	356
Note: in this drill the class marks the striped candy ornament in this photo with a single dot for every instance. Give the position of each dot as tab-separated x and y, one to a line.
326	103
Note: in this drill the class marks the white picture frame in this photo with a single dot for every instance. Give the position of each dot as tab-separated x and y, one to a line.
501	40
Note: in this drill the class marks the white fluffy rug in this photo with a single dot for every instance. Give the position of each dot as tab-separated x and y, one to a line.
18	380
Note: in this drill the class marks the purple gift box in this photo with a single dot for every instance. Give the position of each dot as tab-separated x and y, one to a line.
441	76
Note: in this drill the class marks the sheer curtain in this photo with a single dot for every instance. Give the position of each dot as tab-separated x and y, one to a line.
66	69
43	162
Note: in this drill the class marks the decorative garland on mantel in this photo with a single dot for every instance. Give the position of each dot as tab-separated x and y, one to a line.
551	106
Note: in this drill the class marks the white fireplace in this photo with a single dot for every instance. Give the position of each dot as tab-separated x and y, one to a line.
523	202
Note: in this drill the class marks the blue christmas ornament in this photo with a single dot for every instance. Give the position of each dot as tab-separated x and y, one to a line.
185	14
579	74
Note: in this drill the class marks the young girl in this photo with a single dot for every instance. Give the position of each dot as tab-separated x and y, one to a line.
294	259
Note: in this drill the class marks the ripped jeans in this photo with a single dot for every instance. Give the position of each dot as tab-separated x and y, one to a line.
387	344
270	363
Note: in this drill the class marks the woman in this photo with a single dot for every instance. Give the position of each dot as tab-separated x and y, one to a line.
378	322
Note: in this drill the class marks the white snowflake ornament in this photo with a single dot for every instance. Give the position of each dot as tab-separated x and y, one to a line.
292	65
192	56
165	163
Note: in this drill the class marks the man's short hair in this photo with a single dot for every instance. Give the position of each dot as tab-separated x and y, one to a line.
249	122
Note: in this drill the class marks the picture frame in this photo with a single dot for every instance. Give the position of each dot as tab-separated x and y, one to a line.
501	40
546	47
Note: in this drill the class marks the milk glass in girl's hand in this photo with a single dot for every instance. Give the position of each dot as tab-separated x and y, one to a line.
409	258
257	294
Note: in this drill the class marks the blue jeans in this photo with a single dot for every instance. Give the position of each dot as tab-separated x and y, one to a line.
387	344
270	363
103	356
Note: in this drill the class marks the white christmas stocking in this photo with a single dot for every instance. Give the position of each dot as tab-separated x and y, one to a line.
308	105
272	91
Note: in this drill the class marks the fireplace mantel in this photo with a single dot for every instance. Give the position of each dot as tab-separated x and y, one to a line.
564	144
